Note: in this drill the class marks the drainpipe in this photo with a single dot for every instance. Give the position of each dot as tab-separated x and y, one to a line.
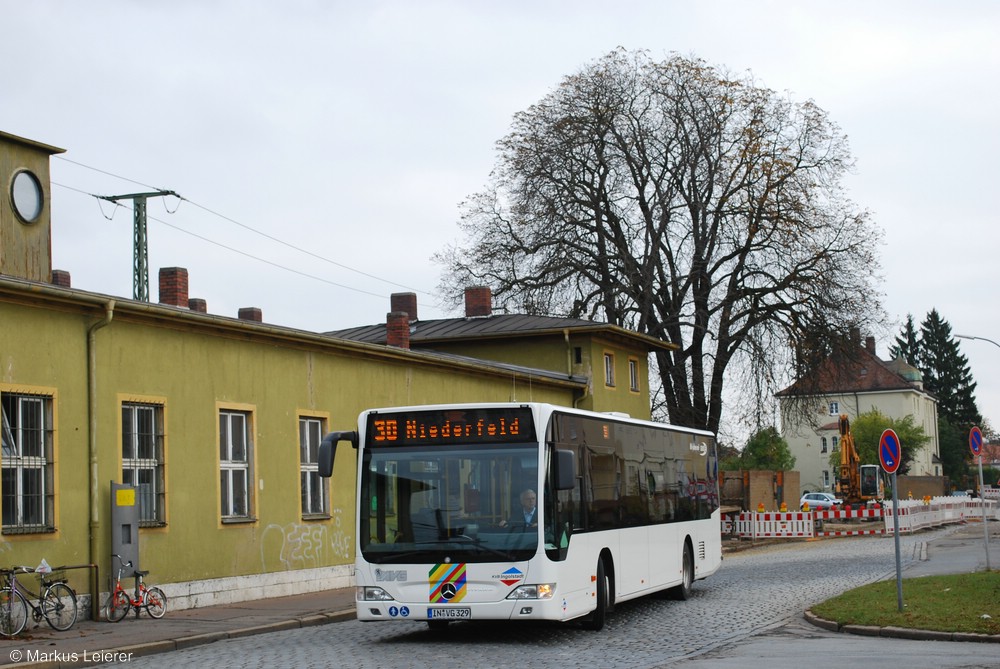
95	512
569	369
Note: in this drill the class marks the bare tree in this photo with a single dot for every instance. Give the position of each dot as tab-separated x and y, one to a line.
682	202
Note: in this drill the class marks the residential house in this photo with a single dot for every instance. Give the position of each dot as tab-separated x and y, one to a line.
854	384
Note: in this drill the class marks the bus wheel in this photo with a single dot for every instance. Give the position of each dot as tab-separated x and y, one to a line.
683	591
437	625
595	621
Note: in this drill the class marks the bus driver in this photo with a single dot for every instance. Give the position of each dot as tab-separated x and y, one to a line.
529	514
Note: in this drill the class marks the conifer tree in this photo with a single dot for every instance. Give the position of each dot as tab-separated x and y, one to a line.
907	343
946	372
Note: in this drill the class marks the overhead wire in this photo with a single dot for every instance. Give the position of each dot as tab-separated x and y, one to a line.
242	225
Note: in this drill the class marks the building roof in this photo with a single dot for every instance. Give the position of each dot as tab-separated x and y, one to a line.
495	326
45	148
34	292
859	372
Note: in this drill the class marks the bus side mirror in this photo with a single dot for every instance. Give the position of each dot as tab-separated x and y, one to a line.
565	470
328	449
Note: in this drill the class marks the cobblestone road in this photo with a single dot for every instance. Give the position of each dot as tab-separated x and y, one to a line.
755	592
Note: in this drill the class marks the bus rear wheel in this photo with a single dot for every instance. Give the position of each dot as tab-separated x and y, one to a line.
683	591
595	621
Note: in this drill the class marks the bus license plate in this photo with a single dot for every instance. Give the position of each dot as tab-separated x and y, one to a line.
451	614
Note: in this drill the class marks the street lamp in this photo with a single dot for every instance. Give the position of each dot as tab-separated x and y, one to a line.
979	338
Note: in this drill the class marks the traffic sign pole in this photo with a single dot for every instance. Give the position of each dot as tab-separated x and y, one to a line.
895	528
890	454
976	446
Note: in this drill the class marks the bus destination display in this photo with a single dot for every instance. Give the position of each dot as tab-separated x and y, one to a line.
451	426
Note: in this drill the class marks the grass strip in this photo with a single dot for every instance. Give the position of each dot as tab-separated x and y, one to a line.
952	603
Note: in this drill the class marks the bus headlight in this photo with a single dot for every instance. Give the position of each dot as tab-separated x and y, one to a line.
372	594
539	591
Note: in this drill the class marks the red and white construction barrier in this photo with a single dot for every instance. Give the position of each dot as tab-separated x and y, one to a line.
913	515
868	513
918	514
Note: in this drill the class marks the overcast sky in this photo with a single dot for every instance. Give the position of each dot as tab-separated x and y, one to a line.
347	133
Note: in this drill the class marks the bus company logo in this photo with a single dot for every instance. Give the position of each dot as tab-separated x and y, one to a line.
699	448
511	576
389	575
447	583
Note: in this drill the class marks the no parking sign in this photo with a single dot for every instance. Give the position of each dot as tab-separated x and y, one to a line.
890	453
975	440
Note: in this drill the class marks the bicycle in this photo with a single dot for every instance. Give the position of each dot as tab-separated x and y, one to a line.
120	603
56	602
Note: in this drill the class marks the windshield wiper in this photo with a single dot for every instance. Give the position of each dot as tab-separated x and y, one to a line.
478	543
458	538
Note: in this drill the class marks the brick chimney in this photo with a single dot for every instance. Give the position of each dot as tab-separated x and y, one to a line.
251	314
478	301
397	329
870	344
406	302
60	277
174	286
198	304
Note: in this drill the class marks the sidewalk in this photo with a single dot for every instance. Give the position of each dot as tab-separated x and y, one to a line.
959	551
43	647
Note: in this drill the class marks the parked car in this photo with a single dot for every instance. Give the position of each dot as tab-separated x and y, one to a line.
820	500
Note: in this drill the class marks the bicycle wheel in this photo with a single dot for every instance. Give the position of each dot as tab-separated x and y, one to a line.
155	602
118	605
13	612
59	606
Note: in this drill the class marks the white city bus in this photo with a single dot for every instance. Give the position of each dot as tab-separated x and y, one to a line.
625	508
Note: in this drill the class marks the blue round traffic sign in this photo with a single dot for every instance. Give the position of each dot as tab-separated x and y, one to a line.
890	453
975	440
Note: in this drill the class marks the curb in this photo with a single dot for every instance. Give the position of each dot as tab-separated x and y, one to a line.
182	643
897	632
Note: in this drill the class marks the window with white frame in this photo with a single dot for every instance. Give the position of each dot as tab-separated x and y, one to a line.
826	479
236	464
609	369
633	375
314	487
28	494
822	447
142	459
835	442
834	408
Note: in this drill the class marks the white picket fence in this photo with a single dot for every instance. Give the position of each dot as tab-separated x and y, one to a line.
913	515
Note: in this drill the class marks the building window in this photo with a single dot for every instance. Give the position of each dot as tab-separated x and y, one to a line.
834	408
236	464
826	479
142	459
609	370
822	448
27	479
633	375
314	489
835	442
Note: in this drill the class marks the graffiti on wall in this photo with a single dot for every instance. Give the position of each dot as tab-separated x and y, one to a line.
305	545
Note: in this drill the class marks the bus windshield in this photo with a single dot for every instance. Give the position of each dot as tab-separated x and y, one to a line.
454	502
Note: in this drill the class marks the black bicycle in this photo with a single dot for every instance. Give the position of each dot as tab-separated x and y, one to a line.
56	601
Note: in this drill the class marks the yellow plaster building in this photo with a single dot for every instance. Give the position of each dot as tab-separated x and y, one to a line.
215	420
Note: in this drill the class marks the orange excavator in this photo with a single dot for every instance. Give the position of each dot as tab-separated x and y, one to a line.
856	483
